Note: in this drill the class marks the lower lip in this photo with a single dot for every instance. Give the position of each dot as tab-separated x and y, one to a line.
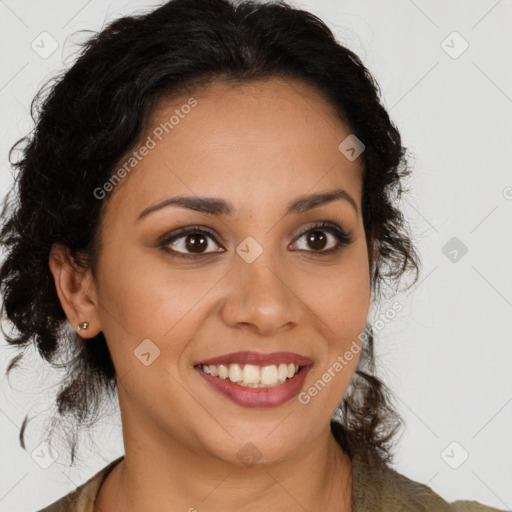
258	397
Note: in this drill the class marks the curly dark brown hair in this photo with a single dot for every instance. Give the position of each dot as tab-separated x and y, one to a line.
90	117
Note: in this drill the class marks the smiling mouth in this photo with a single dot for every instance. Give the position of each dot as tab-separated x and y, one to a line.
252	376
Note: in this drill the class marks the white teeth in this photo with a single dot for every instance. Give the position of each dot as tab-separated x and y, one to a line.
235	373
283	372
223	371
269	375
252	375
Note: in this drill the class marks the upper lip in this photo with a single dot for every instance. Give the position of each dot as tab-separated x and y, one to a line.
258	359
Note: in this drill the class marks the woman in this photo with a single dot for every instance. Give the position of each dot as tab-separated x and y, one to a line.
208	201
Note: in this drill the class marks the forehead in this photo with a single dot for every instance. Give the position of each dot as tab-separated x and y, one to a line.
249	143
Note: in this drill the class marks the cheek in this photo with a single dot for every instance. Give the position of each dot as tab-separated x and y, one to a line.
141	301
145	297
341	301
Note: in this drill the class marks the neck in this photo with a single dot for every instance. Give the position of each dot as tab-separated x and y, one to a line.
317	477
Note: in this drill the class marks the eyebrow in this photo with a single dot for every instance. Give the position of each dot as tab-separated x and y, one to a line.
217	206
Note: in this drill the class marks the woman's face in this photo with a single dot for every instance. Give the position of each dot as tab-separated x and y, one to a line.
249	280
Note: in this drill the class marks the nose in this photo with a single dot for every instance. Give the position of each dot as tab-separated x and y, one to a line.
259	297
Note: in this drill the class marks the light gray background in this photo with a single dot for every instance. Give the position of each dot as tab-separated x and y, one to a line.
447	355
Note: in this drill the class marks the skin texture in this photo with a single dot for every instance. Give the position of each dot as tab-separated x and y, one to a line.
257	146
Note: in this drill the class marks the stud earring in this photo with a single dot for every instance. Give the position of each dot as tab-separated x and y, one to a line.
81	326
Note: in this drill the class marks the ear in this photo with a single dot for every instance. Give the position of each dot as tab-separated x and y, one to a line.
76	290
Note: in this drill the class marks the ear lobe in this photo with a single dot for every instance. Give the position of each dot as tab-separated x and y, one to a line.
75	290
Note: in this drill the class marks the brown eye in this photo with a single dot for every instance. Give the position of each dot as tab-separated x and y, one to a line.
190	242
196	242
317	238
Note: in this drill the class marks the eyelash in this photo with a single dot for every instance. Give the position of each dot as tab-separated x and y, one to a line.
343	239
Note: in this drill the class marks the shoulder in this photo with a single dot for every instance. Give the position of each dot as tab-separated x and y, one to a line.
82	498
472	506
67	503
377	486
